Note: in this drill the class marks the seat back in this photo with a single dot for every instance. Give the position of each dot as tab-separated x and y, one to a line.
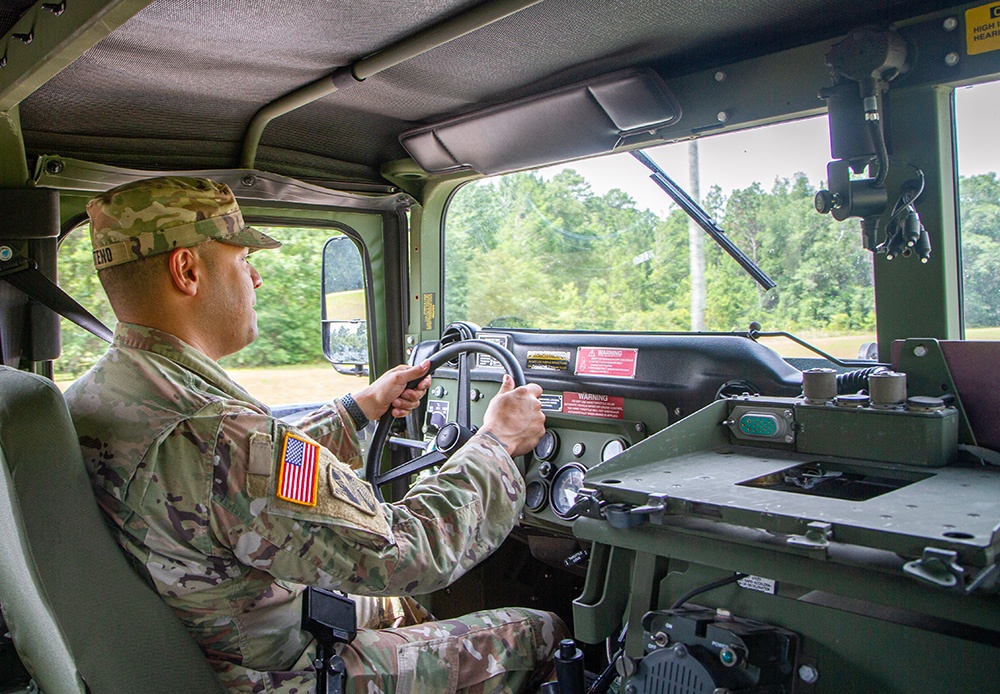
81	618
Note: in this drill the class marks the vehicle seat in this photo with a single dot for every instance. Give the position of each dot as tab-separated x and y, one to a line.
81	617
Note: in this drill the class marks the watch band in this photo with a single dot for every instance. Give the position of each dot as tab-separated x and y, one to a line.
354	409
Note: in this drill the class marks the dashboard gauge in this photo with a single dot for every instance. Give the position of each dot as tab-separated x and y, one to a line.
548	446
613	448
566	484
535	495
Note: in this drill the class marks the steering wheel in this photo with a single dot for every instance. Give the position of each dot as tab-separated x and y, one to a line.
451	436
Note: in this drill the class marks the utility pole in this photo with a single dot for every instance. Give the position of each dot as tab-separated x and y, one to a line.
696	245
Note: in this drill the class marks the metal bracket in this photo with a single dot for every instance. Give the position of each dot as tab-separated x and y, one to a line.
817	536
623	516
940	567
589	503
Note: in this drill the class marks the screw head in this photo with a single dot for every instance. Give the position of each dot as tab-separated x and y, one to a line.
720	76
949	24
920	351
248	180
722	116
808	674
54	167
951	59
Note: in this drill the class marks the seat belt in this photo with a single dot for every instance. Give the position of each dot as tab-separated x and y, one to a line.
23	273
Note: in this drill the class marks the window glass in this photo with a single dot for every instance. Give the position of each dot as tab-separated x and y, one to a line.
596	245
977	110
285	365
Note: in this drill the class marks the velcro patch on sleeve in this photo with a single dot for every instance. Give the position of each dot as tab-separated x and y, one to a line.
261	453
298	470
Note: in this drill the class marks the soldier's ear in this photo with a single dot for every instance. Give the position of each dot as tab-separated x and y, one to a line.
186	270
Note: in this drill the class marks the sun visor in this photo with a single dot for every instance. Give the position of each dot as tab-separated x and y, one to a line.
584	119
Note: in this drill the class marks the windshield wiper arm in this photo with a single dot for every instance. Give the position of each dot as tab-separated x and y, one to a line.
698	214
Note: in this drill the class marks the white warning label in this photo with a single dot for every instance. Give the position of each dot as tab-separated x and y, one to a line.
760	584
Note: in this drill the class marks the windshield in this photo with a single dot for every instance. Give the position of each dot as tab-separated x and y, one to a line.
596	245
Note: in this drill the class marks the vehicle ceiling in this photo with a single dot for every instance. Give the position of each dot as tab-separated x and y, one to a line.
176	85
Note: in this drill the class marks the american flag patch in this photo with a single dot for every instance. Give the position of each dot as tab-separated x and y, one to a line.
299	470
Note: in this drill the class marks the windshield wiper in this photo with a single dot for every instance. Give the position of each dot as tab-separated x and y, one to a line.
698	214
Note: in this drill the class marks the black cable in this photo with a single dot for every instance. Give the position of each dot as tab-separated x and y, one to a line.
853	381
607	676
705	588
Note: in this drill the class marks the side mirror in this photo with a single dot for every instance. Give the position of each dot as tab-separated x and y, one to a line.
345	330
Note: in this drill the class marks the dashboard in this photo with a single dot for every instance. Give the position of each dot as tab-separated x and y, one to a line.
602	394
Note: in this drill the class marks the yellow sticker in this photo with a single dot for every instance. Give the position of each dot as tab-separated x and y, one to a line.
982	29
430	310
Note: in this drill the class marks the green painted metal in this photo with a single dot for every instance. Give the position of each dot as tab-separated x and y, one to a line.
917	299
57	40
927	373
13	164
857	625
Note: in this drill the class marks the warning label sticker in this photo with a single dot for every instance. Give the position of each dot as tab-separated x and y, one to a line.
982	29
551	403
758	583
606	361
430	310
594	405
548	360
485	359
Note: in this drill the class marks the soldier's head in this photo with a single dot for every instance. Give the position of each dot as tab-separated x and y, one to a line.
171	253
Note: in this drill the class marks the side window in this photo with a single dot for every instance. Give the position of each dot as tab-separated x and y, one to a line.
285	365
977	110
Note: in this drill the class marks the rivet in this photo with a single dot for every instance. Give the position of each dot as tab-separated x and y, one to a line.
720	76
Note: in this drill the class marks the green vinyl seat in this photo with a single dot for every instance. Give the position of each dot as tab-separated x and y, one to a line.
81	618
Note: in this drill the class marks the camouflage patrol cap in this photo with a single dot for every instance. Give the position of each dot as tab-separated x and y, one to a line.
157	215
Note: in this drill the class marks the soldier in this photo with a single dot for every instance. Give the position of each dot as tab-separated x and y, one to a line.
230	512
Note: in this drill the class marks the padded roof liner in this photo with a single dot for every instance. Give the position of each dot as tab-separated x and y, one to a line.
178	83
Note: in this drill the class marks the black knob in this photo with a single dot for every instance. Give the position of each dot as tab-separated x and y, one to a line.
825	201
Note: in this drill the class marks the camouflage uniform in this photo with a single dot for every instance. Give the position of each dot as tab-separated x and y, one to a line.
187	465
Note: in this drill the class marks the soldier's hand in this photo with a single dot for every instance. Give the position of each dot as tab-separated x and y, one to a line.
389	390
514	417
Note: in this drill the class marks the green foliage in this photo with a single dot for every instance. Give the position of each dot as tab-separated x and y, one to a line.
552	254
523	251
288	302
980	205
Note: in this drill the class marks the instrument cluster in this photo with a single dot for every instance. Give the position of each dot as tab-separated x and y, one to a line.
570	447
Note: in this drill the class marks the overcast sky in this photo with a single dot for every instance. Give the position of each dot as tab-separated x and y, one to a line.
737	160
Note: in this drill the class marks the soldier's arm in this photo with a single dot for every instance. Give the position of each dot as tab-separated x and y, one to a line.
331	426
335	427
337	536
